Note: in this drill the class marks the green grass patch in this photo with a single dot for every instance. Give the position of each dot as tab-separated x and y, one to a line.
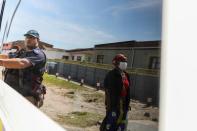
80	119
52	80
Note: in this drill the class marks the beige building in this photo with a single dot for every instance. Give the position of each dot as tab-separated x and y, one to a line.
86	54
51	53
54	53
140	54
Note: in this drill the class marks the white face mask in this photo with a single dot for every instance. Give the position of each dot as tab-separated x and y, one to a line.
123	65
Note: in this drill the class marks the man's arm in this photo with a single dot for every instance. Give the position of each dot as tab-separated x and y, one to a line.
15	63
3	56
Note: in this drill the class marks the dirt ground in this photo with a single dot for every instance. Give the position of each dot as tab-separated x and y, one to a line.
61	101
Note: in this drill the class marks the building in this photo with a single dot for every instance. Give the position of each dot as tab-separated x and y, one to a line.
6	48
51	53
54	53
86	54
42	45
140	54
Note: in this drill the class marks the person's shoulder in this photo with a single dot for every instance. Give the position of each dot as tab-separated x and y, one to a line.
112	72
38	51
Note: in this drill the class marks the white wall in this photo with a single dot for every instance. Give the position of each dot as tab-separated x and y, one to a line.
178	108
18	114
54	54
75	55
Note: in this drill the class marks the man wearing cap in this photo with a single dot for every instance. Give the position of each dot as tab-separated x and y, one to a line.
25	69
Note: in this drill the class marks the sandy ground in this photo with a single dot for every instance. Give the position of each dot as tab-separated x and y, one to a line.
56	104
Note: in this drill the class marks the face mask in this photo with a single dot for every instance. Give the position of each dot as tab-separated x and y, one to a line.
123	65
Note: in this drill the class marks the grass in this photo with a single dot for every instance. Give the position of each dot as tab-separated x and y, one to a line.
52	80
91	96
80	119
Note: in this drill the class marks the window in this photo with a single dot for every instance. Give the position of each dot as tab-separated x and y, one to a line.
100	58
66	57
78	58
73	57
89	59
154	63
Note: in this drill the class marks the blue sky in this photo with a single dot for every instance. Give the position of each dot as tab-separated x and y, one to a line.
70	24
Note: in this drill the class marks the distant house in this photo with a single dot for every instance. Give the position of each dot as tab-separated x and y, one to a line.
42	45
51	53
6	48
20	44
86	54
54	53
140	54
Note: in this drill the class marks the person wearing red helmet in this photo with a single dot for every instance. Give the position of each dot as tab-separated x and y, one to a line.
117	96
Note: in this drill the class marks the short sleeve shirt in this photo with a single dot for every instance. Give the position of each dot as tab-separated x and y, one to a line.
33	74
36	57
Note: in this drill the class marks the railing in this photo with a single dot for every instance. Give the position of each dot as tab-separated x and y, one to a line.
18	114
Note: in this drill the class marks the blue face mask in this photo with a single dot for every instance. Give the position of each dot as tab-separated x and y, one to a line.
123	65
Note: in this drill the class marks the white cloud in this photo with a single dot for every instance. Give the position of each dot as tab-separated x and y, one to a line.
133	5
59	32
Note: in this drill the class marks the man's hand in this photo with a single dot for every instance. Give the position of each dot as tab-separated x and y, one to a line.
15	63
1	62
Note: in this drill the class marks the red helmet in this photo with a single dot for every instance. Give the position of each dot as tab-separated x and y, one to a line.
119	58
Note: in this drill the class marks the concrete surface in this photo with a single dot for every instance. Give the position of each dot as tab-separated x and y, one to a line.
142	125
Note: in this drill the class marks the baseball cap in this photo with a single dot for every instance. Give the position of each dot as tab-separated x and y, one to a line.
33	33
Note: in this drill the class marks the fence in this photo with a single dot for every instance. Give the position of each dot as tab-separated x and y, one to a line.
143	86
